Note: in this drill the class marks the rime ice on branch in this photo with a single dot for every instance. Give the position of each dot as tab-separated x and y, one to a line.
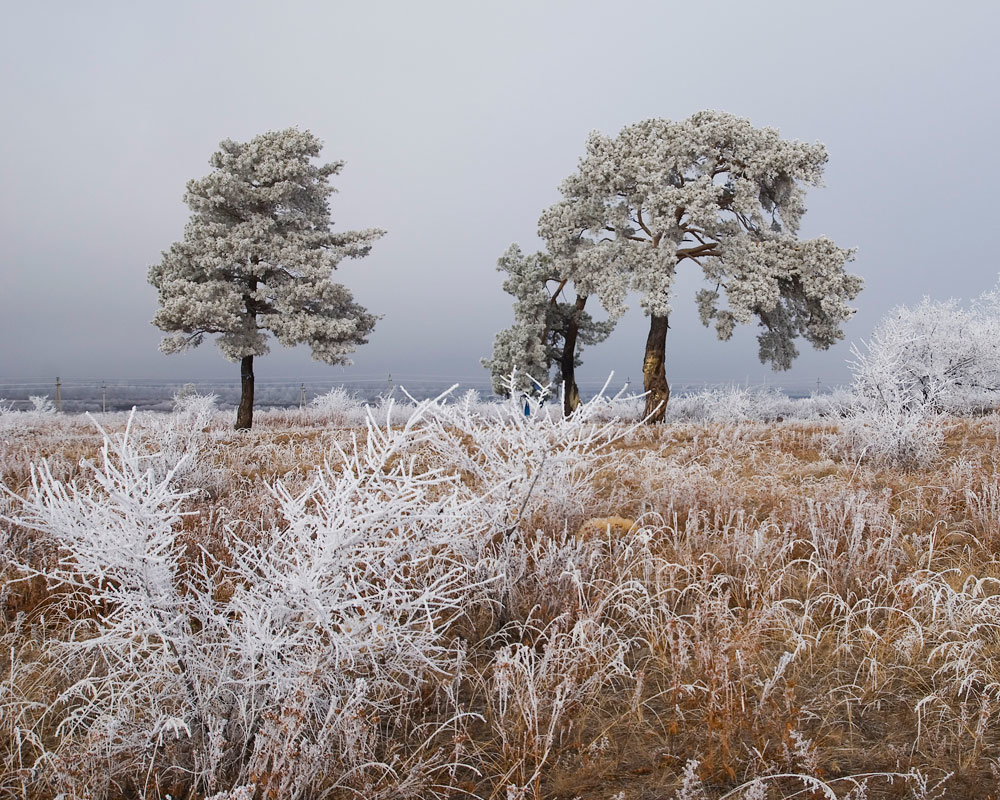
722	194
258	256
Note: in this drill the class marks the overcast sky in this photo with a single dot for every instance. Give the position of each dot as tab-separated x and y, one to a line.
457	122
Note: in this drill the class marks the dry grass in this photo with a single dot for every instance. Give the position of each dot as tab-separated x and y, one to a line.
730	600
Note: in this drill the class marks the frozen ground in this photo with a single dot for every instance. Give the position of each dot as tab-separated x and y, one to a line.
468	602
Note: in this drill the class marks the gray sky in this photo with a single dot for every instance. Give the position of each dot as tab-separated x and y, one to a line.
457	122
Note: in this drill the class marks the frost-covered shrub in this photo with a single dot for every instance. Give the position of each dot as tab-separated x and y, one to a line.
938	356
622	407
340	620
729	404
889	436
337	407
736	404
178	441
541	462
935	358
831	405
290	662
41	413
116	555
41	405
196	410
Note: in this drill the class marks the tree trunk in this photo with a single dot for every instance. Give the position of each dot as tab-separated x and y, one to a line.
654	374
244	414
567	364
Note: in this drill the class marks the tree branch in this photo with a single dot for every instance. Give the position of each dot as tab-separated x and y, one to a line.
559	288
643	224
707	249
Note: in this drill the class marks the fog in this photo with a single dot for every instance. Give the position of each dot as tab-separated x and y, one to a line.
457	122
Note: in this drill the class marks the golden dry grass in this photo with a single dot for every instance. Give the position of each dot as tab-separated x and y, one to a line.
783	609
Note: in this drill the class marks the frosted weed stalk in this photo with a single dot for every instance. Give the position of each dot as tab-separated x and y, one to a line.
536	688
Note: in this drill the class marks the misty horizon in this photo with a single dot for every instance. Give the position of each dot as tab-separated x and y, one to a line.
457	125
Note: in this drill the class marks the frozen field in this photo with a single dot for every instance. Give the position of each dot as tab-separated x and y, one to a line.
469	602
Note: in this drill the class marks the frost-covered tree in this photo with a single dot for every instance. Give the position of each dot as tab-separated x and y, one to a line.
547	331
258	256
936	356
715	191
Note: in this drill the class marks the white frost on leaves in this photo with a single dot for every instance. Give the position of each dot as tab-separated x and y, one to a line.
258	255
716	191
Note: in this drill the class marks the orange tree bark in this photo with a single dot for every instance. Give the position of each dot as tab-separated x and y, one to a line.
654	373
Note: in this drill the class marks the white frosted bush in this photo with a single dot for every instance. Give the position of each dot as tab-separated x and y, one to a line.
195	409
736	404
921	362
890	436
938	356
540	462
289	663
116	555
337	407
41	405
178	441
832	405
41	414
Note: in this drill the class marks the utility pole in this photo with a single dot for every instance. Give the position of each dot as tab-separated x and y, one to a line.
302	397
389	384
104	398
58	395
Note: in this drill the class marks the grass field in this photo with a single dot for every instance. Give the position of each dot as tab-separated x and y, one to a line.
471	604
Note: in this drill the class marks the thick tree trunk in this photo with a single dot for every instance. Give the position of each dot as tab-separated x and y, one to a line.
567	364
654	373
244	414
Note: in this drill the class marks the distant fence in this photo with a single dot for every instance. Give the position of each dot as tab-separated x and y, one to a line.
76	395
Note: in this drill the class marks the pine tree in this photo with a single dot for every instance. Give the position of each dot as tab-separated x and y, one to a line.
716	192
547	331
258	256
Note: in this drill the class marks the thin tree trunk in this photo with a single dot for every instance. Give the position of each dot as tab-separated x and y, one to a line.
654	374
567	364
244	415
